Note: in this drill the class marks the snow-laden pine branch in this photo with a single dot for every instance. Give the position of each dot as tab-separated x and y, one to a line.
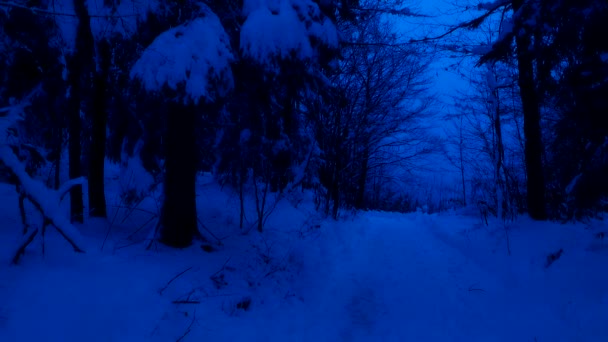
284	29
196	55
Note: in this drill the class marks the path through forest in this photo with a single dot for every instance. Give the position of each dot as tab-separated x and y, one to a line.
373	277
408	281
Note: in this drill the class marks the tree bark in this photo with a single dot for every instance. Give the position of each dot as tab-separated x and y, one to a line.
360	200
533	148
461	155
97	197
74	152
80	68
178	217
499	180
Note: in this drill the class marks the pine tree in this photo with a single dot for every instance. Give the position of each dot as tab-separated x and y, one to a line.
198	73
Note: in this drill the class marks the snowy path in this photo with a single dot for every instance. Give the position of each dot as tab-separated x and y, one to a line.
388	278
402	280
409	285
379	277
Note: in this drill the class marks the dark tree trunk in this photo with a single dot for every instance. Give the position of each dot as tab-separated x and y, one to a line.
461	153
335	189
360	199
533	148
178	218
74	151
57	131
58	147
97	197
80	68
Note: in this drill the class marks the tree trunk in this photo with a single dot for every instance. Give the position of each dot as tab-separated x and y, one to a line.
74	151
97	197
335	192
58	150
80	68
533	148
360	200
461	154
179	224
499	180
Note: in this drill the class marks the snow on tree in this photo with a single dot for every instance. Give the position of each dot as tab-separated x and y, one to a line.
119	17
191	61
284	28
284	49
196	55
44	199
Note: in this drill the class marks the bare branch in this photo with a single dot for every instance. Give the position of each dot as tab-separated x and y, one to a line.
406	12
42	11
172	279
27	239
468	25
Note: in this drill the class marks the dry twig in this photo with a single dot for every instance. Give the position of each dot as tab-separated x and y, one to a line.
172	279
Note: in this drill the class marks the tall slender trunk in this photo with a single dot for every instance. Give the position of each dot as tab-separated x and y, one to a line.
359	201
58	151
335	190
461	153
242	175
74	152
97	197
80	68
499	158
57	131
178	216
533	148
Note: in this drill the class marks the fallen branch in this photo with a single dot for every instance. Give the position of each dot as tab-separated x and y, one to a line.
221	269
128	245
27	239
44	199
219	241
67	186
142	226
172	279
551	258
186	302
218	277
153	233
472	288
189	327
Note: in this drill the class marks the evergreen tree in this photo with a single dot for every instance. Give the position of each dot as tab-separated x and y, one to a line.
575	66
198	72
283	50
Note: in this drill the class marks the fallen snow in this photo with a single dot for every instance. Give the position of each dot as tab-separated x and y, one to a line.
368	277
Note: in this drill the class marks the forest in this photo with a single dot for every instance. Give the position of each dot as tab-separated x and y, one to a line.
295	170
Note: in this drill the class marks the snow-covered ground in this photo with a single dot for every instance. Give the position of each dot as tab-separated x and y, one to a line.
369	277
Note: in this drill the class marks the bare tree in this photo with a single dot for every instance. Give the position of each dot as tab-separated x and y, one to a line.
514	41
488	131
376	119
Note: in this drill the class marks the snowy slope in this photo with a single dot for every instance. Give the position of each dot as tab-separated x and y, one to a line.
369	277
